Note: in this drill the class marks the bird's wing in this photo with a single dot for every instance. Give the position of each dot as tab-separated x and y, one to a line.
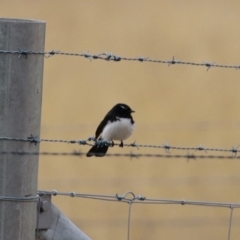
102	124
99	129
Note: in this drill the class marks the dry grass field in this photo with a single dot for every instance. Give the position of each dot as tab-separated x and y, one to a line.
179	104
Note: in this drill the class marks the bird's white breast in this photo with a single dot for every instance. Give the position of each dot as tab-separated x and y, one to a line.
118	130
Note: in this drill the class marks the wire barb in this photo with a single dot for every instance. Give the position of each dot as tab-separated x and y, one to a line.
142	59
209	64
167	147
81	142
235	151
173	61
51	53
201	148
23	52
33	140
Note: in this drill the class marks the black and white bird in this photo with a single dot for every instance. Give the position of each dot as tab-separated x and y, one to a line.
118	124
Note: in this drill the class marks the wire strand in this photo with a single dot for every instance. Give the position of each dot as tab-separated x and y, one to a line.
230	223
128	155
88	142
108	56
140	199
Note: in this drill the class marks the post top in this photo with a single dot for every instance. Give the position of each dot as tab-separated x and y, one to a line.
20	20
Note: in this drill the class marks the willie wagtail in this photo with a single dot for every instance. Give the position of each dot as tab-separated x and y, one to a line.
118	124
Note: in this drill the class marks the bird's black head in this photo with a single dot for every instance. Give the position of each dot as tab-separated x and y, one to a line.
122	110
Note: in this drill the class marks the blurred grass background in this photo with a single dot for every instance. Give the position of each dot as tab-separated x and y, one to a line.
181	105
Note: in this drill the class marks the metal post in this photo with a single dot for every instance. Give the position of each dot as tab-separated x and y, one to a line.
61	228
20	114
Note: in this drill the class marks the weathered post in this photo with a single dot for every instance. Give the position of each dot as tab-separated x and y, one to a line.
21	77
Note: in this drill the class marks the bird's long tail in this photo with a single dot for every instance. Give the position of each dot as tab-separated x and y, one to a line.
98	151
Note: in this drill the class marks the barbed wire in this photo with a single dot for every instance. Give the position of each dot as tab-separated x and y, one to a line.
167	147
131	198
108	56
129	155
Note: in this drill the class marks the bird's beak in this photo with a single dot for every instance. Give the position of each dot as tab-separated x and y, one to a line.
132	111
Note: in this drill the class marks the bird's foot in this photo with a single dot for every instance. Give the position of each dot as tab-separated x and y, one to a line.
121	144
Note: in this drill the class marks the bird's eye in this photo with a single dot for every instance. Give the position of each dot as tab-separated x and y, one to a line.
123	107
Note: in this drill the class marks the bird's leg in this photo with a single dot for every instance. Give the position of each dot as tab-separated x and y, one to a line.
112	145
121	144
